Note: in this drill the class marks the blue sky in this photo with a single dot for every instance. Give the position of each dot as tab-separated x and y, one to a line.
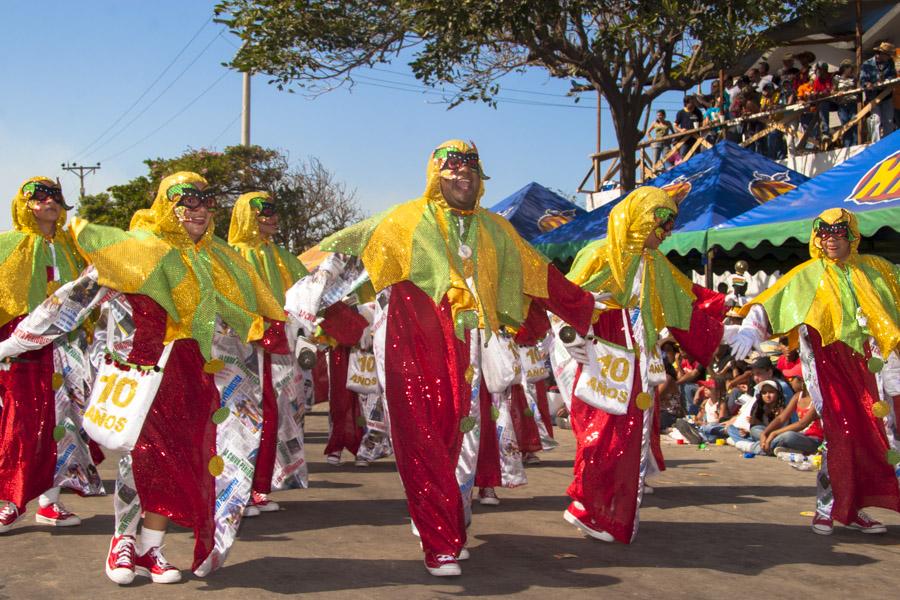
70	70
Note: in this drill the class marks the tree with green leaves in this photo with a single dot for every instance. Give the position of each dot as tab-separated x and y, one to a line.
312	204
630	51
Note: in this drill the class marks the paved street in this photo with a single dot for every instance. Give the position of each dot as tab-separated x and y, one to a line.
718	526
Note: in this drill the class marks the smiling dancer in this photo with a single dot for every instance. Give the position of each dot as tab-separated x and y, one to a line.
448	275
844	305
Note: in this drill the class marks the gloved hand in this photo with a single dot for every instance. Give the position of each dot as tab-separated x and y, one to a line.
742	340
600	299
574	344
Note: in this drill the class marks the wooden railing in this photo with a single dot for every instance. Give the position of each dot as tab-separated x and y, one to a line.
785	119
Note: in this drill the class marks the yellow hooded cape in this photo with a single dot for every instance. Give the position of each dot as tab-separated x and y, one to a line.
420	241
844	302
611	264
192	282
25	256
278	267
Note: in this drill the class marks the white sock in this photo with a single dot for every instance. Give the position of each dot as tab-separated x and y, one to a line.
150	538
49	497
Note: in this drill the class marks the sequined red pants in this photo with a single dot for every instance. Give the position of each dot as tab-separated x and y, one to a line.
265	459
427	395
27	447
343	406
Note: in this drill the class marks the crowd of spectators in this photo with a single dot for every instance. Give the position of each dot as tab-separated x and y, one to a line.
800	79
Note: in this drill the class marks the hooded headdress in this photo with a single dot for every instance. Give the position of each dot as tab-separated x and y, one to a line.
192	282
844	301
278	267
26	256
438	248
611	264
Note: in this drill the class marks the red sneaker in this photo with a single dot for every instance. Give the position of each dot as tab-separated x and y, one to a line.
442	565
577	515
57	515
866	524
822	525
155	566
488	497
262	502
9	514
120	560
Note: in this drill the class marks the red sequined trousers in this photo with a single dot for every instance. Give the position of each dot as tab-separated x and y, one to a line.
343	406
609	447
27	419
487	470
178	439
856	440
265	458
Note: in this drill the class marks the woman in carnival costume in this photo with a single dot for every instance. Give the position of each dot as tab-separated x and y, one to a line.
41	443
280	462
166	289
844	307
644	293
448	275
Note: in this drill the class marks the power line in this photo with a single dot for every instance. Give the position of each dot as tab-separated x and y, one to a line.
172	118
149	87
161	94
225	129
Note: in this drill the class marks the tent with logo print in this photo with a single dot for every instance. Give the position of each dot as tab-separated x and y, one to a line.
867	184
534	210
712	187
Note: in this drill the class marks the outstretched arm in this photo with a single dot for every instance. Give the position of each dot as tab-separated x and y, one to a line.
59	314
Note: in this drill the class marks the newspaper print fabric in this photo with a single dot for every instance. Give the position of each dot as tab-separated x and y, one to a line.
75	468
293	389
238	433
376	442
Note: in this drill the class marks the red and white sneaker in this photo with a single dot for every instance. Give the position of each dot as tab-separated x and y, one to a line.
57	515
577	515
155	566
333	459
822	525
488	497
866	524
262	502
442	565
120	560
9	514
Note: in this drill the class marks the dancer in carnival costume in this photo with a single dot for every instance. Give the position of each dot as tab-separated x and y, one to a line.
41	443
164	289
280	462
644	293
844	306
448	275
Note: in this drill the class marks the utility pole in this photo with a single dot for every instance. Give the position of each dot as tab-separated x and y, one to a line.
80	171
599	145
245	111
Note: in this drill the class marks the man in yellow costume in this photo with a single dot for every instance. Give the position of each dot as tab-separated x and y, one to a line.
643	293
36	258
448	275
844	307
254	221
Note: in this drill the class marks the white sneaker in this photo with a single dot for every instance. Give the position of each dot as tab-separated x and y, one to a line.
463	554
333	459
648	489
729	441
361	462
250	511
488	497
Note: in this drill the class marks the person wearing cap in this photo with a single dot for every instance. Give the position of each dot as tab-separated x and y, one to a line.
448	276
39	419
845	80
787	62
170	293
874	71
643	294
844	307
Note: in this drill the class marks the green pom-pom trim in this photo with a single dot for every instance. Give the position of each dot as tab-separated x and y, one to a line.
467	424
892	457
875	364
220	415
495	413
59	432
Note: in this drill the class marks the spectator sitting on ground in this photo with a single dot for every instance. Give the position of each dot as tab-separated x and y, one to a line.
804	435
763	370
689	373
768	402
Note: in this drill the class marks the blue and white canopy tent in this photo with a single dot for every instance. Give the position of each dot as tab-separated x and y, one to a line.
534	210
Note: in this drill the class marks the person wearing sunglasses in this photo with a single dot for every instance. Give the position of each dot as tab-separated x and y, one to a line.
448	275
844	307
254	223
41	449
173	299
643	294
